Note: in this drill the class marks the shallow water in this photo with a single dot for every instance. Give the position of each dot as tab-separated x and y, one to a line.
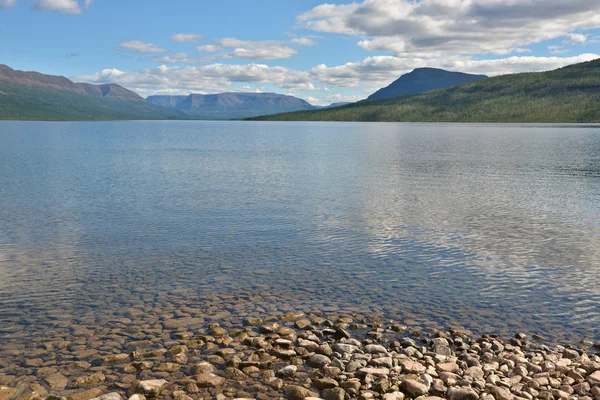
492	227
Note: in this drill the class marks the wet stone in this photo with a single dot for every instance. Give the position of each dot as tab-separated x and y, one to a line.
152	388
7	392
318	361
86	395
93	379
295	392
209	380
56	381
109	396
287	371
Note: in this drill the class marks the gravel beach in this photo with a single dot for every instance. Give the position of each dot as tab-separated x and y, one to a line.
252	352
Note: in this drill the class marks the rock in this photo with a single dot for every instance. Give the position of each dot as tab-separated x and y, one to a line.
168	367
501	393
581	388
114	358
336	393
411	367
87	395
7	392
203	368
374	371
299	393
474	372
93	379
594	378
318	361
385	362
283	354
344	348
152	388
287	372
325	383
351	386
209	380
414	388
302	323
448	367
56	381
442	350
375	349
109	396
462	393
137	396
269	328
393	396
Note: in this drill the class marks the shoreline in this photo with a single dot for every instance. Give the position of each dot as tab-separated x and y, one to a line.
328	355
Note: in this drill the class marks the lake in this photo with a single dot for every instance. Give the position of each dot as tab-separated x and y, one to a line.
495	228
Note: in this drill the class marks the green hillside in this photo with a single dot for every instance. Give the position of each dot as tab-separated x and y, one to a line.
34	96
569	94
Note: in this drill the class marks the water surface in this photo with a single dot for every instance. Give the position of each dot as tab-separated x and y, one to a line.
491	227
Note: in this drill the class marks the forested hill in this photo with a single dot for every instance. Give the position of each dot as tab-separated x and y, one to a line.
569	94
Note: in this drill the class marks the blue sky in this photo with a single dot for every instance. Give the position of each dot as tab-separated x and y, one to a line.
323	52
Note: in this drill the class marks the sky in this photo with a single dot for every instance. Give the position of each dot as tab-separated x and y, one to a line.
322	52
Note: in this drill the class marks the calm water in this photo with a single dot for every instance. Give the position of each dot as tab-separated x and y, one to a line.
492	227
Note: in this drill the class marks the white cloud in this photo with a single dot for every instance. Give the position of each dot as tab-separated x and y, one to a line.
575	38
63	6
379	71
7	3
87	3
138	46
178	58
205	79
372	72
438	28
334	98
304	41
209	48
256	50
187	37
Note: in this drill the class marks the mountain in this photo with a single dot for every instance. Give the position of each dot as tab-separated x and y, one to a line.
166	101
35	96
343	103
569	94
232	105
423	80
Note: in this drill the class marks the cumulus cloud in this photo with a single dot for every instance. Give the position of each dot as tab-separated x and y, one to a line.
187	37
437	28
372	72
7	3
303	41
575	38
63	6
209	48
204	79
177	58
138	46
382	70
256	50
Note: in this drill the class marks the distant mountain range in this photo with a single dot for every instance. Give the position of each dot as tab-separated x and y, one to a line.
423	80
35	96
231	105
569	94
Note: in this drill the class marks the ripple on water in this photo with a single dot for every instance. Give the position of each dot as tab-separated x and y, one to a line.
495	228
